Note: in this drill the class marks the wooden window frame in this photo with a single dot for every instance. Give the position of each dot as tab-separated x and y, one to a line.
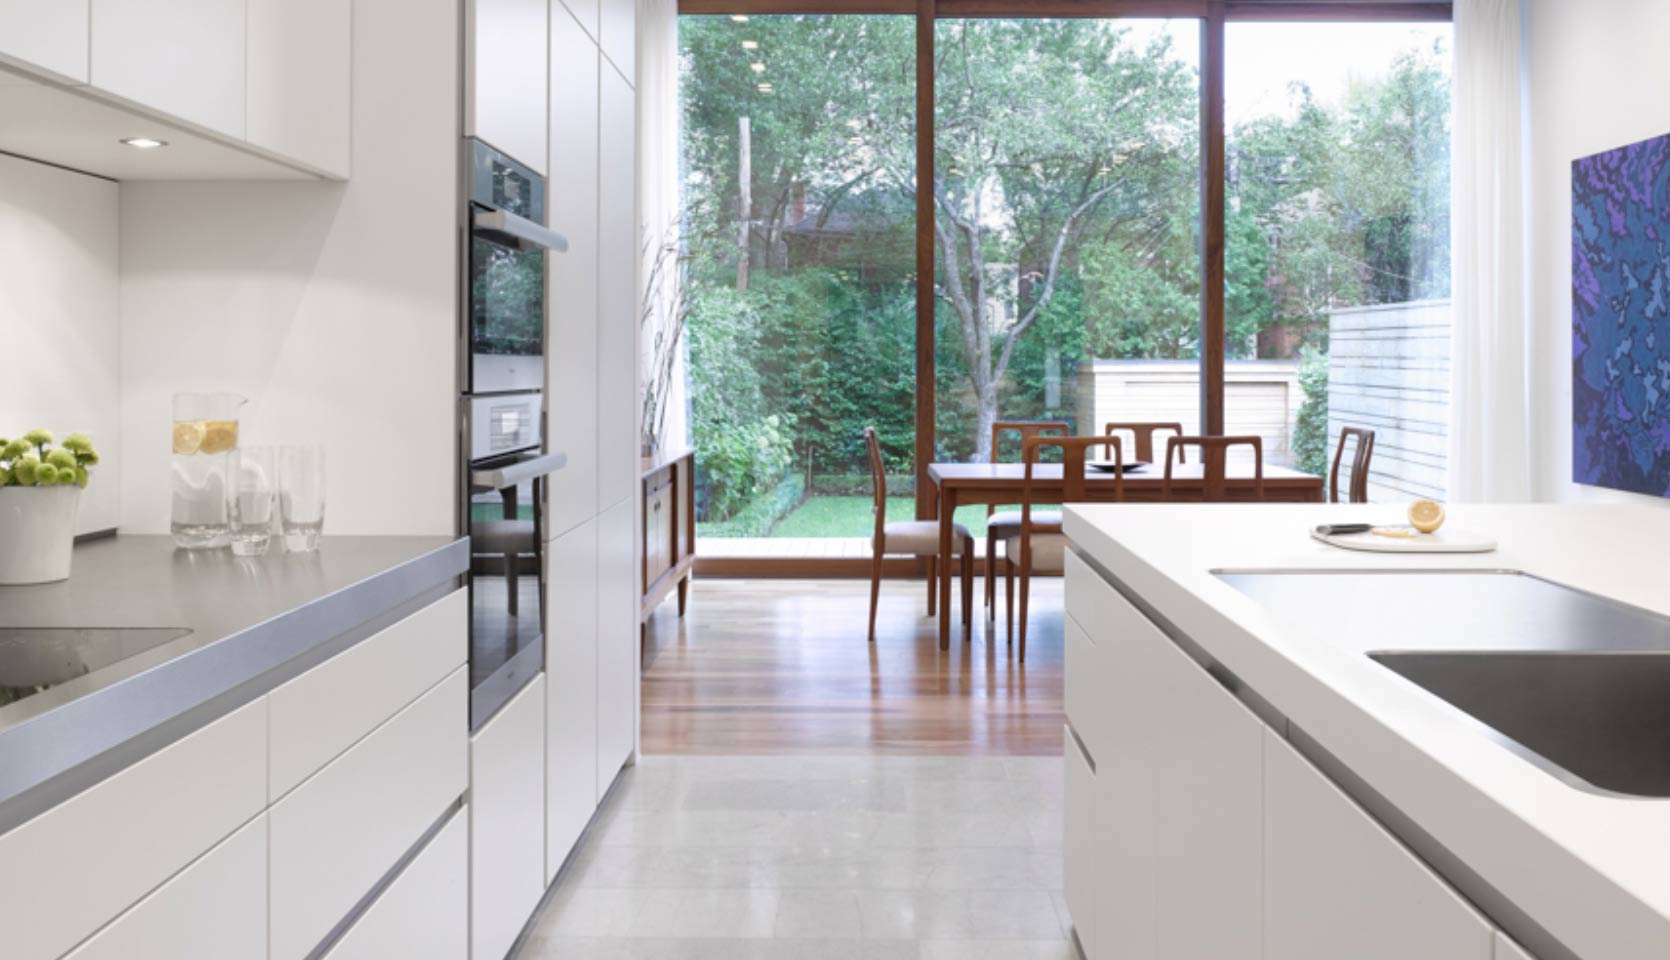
1213	15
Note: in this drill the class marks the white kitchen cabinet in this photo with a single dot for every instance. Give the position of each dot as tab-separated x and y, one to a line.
425	913
1081	868
507	822
1337	884
585	12
571	679
617	643
572	385
617	353
505	77
93	856
365	684
49	37
618	35
184	58
1177	828
1084	698
214	909
1508	950
299	75
339	833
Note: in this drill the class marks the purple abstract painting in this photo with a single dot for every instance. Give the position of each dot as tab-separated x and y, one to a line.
1620	318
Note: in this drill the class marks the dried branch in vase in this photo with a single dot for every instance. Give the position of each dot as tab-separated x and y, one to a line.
666	310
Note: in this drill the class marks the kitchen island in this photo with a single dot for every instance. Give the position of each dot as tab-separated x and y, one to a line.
199	749
1244	779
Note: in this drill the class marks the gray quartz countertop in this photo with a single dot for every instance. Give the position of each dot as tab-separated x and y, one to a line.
253	623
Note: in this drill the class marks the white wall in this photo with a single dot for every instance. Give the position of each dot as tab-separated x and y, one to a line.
331	306
1598	76
58	317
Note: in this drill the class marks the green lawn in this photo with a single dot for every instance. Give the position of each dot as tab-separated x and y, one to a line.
822	516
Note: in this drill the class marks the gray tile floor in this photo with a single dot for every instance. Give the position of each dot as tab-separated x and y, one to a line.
824	858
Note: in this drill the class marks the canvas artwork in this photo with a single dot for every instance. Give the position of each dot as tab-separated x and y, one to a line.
1620	291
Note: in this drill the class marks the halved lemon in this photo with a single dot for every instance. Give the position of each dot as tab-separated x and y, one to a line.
1426	515
219	436
188	436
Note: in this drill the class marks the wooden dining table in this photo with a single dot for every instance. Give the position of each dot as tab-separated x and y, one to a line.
960	484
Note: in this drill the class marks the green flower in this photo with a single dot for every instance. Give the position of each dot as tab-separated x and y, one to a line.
62	458
39	438
81	477
46	475
79	442
87	457
14	449
25	469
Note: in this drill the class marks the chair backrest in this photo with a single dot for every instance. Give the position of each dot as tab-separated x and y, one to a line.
1358	491
1072	469
1027	430
878	479
1214	455
1143	434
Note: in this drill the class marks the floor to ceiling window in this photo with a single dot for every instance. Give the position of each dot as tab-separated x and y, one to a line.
1067	273
1337	244
799	231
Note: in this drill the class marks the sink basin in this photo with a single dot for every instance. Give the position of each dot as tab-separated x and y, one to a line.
33	659
1601	719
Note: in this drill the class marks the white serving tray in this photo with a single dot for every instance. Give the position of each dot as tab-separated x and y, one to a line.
1443	541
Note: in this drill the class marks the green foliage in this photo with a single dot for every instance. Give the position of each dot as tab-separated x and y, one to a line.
32	461
1310	434
758	516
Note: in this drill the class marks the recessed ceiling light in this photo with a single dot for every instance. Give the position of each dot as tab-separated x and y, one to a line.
750	44
757	67
739	18
144	143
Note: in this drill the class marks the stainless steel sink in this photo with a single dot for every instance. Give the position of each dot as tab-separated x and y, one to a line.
1602	719
33	659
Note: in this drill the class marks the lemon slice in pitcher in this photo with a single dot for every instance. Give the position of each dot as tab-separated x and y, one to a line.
219	436
188	436
1426	515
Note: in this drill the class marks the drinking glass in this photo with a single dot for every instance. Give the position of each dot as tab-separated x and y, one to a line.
205	435
301	482
254	493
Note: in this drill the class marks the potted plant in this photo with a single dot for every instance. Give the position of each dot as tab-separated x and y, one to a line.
40	485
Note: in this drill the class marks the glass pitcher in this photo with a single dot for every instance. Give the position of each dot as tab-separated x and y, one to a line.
205	438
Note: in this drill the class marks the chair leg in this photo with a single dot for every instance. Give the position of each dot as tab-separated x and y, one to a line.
1009	599
875	591
968	589
991	572
933	586
1026	590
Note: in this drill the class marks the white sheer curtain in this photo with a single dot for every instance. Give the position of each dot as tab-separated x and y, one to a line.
1490	450
658	182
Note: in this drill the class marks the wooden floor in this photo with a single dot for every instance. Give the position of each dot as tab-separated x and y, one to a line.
782	667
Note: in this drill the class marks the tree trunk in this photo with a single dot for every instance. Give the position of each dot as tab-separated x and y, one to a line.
985	415
744	201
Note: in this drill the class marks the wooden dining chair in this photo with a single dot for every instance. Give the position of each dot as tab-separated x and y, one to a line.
1358	490
1001	525
1041	546
1214	457
916	538
1143	436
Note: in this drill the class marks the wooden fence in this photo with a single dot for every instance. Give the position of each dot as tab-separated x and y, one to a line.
1389	371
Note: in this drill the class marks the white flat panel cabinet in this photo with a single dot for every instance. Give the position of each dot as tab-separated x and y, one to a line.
618	35
46	37
1508	950
299	80
425	913
507	822
1081	881
97	854
617	357
617	643
585	12
571	676
1337	884
213	909
505	77
572	386
182	57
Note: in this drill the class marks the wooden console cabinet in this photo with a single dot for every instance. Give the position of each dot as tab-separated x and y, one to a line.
668	549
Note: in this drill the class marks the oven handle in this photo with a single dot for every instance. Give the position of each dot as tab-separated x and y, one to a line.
523	233
515	473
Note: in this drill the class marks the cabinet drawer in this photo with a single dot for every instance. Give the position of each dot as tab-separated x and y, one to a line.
340	832
1084	677
658	533
86	860
1337	884
364	686
214	909
1096	605
424	914
507	822
1078	855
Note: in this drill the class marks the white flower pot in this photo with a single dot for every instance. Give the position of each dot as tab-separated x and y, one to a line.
37	531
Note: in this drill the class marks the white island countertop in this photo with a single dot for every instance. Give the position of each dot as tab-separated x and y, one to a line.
1591	868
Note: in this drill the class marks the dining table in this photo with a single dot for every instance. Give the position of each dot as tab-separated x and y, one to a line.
961	484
